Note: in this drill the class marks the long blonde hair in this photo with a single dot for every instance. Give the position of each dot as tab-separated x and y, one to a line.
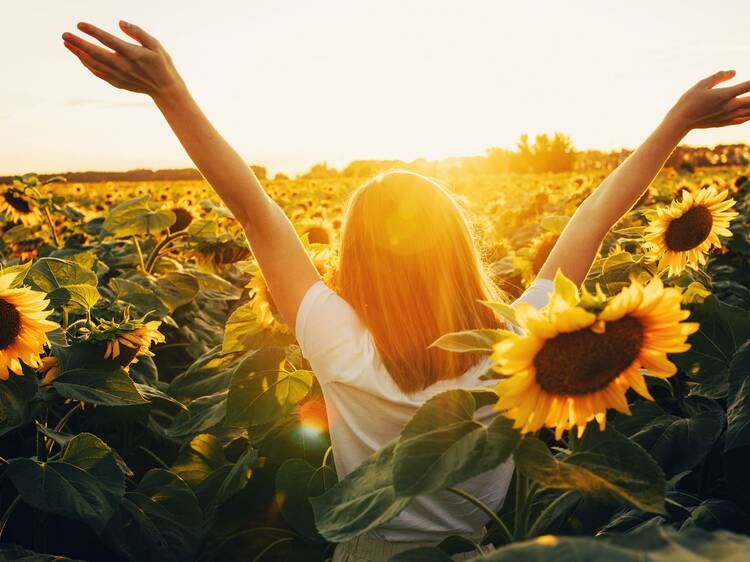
411	270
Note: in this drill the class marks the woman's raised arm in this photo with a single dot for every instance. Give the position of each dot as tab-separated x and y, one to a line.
702	106
147	68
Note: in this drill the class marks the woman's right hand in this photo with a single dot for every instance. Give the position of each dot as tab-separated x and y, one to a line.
145	68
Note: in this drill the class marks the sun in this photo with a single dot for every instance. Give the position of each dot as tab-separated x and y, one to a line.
684	232
23	326
581	354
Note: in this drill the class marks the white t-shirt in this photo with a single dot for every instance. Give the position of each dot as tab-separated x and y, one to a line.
366	410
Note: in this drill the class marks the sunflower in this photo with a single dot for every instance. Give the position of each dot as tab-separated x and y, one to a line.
23	326
138	339
581	354
122	342
186	211
683	233
18	208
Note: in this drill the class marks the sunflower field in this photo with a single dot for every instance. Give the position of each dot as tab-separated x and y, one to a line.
154	406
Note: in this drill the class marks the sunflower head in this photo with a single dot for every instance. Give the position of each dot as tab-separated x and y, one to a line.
683	233
582	352
18	207
186	211
23	326
123	342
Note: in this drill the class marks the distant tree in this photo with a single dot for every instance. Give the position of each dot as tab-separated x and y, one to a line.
259	171
280	177
547	154
320	171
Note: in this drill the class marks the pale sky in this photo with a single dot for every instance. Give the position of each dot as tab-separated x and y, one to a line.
291	83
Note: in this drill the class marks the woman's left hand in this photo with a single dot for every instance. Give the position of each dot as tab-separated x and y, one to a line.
146	68
704	106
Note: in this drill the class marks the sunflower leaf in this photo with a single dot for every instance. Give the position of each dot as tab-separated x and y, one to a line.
471	341
605	465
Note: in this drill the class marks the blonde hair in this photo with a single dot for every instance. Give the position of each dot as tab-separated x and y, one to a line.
410	268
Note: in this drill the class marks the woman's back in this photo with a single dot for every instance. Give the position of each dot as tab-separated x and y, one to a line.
366	410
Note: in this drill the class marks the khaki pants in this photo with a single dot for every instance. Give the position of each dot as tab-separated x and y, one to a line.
366	548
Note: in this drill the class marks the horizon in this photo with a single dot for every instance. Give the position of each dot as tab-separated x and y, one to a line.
604	77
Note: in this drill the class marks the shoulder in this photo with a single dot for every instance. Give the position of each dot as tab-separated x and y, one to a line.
331	335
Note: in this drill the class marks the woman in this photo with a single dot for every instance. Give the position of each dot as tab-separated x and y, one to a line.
409	273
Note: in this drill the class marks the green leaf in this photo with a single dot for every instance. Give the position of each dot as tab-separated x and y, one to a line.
214	287
565	289
203	414
77	297
723	329
296	482
243	332
361	501
443	445
649	544
471	341
16	396
504	310
606	465
684	442
15	553
176	289
66	282
738	401
203	229
261	392
86	484
161	521
422	554
20	270
231	481
94	386
136	217
142	298
198	458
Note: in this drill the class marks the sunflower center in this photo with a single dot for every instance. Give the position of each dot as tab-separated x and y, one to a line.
184	218
583	362
19	204
10	324
688	231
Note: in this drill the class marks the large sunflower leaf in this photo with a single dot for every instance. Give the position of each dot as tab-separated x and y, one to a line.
16	397
95	386
86	484
738	401
723	329
136	217
443	444
650	544
471	341
261	391
296	482
160	521
606	465
361	501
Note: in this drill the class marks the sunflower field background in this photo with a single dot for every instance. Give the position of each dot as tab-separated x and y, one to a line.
153	406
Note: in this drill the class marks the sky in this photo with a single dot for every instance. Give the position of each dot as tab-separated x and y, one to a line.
292	83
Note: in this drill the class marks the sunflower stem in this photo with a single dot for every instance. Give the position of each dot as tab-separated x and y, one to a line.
154	255
484	507
270	546
140	253
52	227
536	527
154	456
325	456
64	319
7	513
522	491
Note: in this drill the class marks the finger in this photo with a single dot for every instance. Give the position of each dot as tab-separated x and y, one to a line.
739	103
111	41
737	90
132	30
717	78
89	61
102	55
